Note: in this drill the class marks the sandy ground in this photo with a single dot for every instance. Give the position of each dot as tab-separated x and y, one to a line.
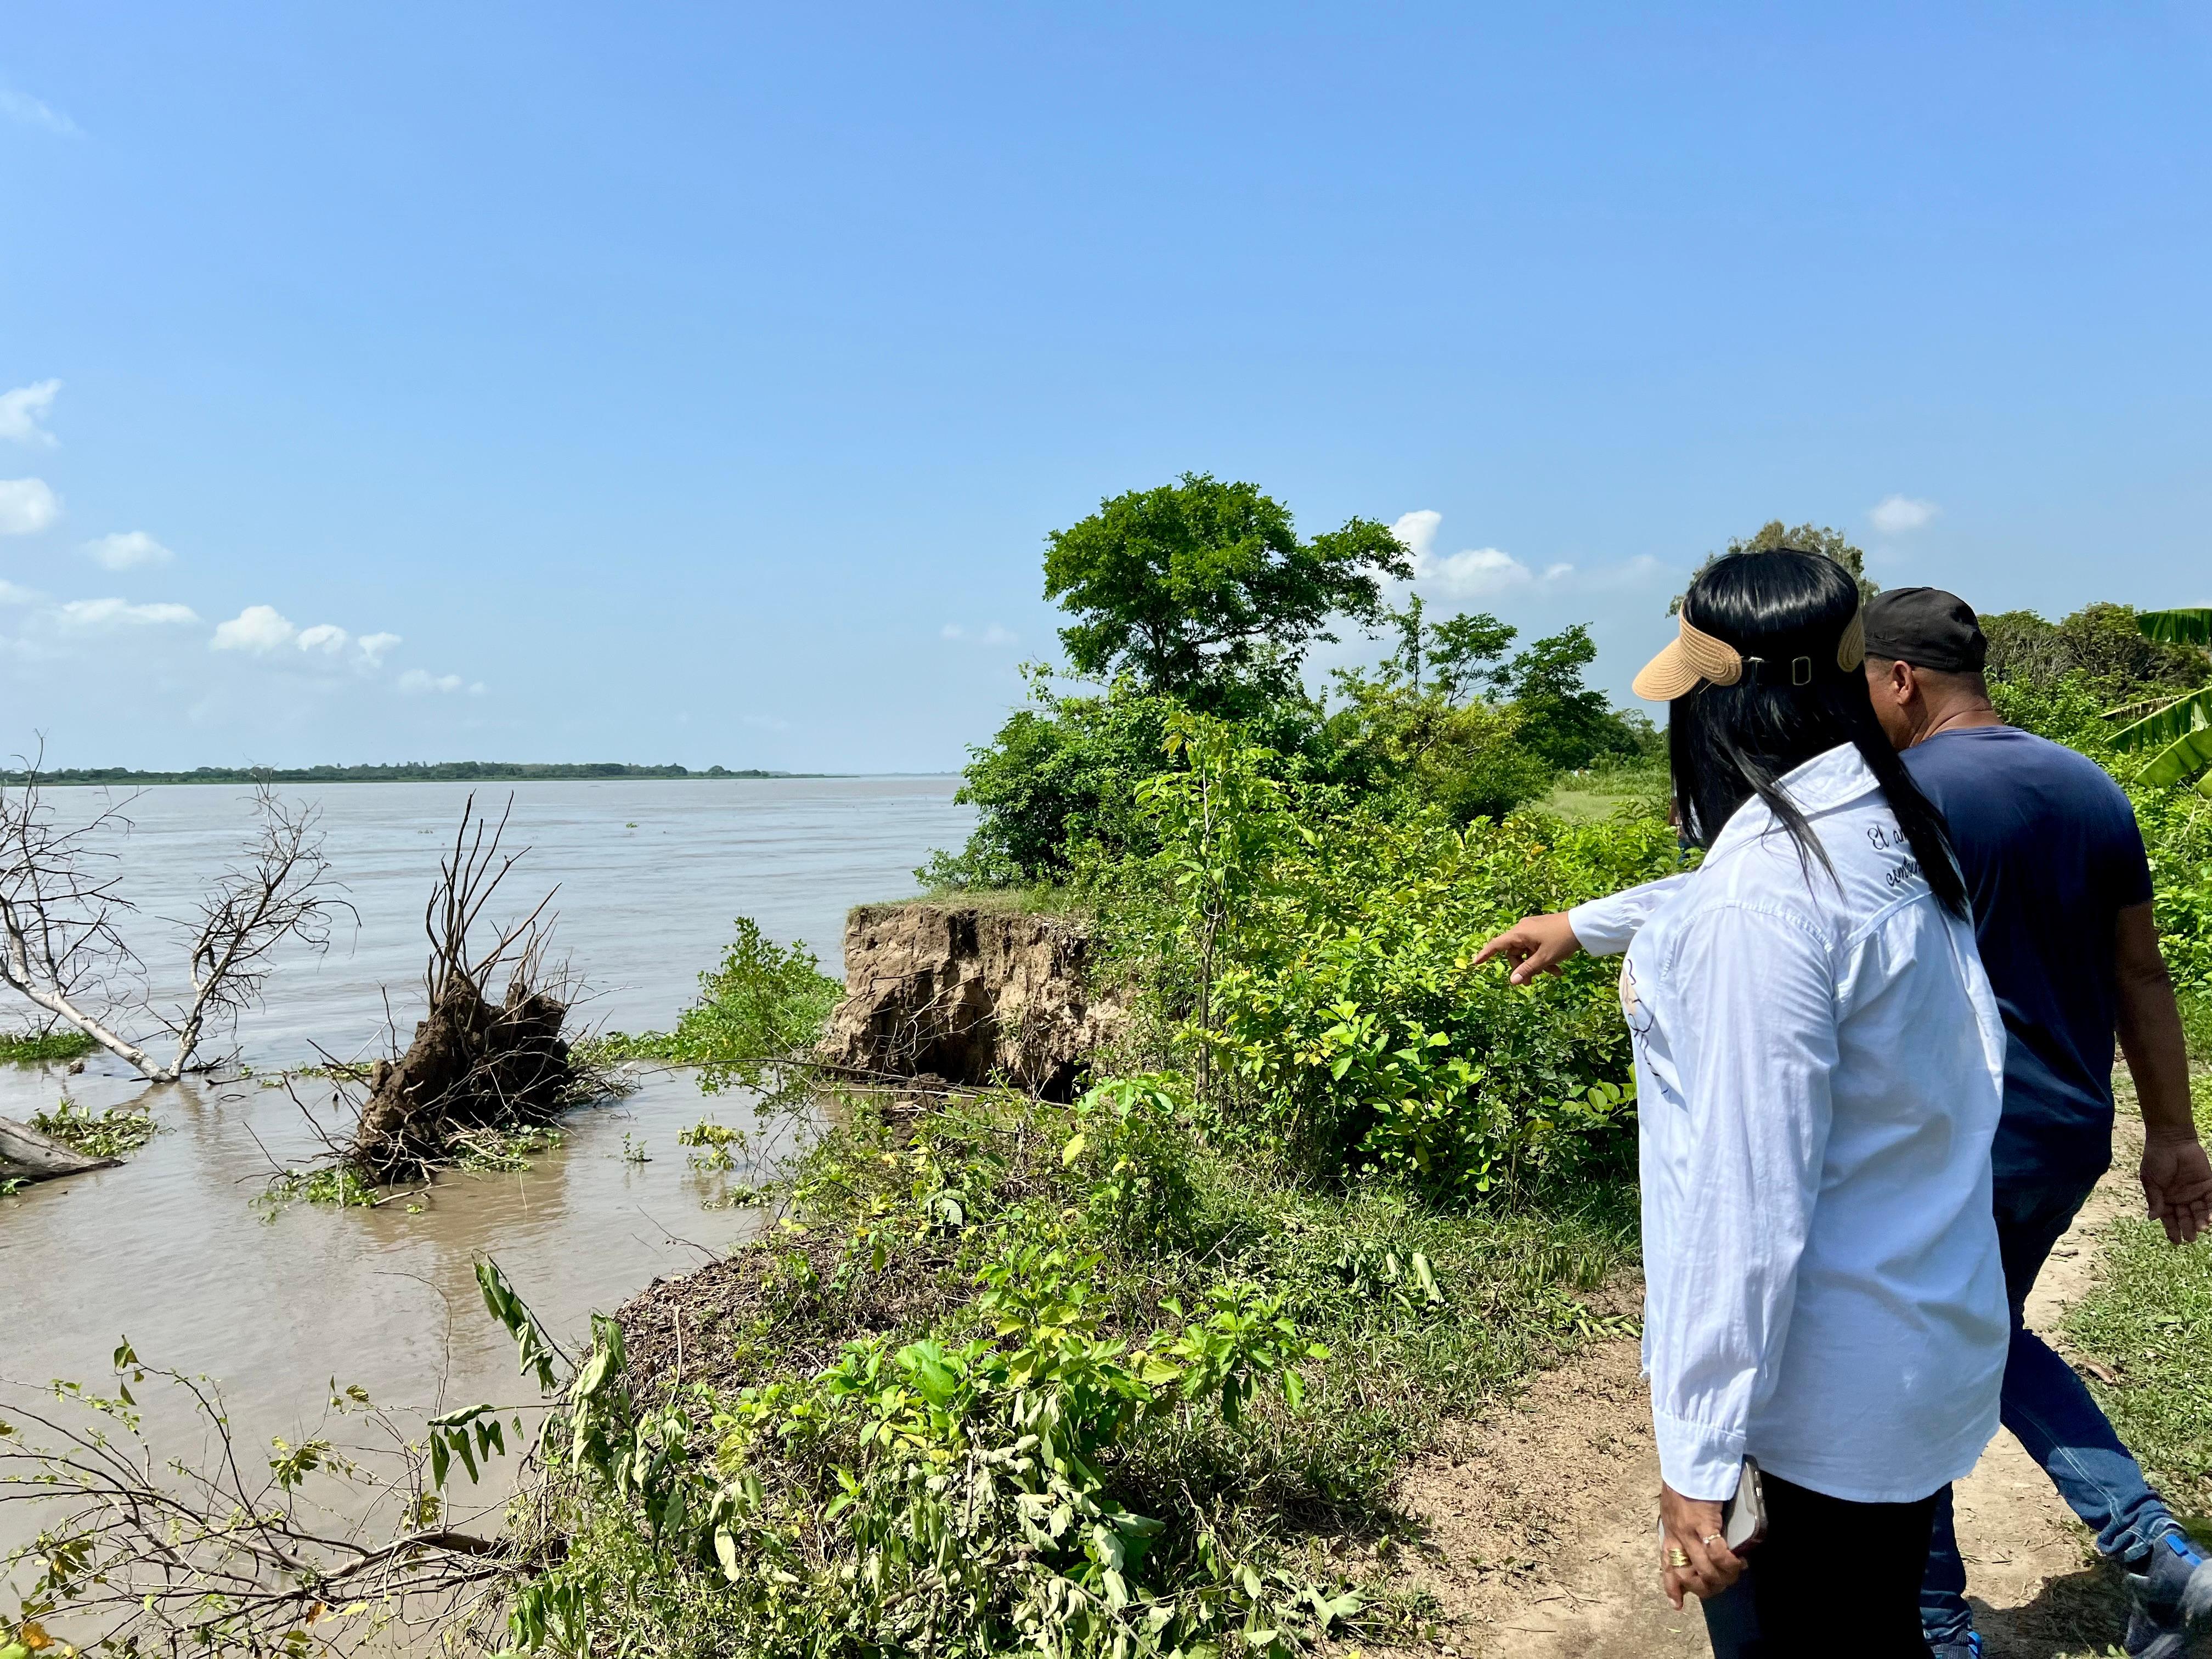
1528	1562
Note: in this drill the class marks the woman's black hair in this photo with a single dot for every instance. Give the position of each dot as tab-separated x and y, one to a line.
1729	742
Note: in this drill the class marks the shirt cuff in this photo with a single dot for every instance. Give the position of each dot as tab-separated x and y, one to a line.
1697	1460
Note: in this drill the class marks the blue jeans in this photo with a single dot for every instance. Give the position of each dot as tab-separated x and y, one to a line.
2050	1412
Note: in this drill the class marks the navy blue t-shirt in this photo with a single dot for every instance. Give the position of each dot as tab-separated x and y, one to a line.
2051	854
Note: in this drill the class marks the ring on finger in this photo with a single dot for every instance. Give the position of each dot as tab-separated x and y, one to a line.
1713	1538
1678	1558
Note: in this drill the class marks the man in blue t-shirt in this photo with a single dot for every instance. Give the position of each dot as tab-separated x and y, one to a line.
2062	898
2055	866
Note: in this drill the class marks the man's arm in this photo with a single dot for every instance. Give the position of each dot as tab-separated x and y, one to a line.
2176	1178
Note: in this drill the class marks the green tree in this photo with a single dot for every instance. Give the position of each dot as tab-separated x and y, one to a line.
1390	741
1467	654
1562	720
2103	644
1202	590
1806	538
1455	658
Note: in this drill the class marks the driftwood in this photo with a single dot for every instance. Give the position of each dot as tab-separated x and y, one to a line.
26	1155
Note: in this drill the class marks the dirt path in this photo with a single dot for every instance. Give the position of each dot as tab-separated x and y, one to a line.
1540	1525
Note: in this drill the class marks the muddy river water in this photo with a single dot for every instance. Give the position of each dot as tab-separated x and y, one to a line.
169	1249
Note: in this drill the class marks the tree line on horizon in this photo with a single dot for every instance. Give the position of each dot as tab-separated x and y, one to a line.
390	772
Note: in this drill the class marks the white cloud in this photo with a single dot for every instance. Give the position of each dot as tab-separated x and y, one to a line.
326	637
11	594
36	113
477	688
21	410
767	722
1473	573
1417	532
127	551
417	679
258	628
375	646
109	613
26	505
992	634
1895	515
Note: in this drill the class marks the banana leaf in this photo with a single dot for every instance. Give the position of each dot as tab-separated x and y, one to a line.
2186	627
2179	761
2183	716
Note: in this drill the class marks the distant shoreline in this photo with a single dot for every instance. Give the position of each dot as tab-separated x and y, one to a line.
422	772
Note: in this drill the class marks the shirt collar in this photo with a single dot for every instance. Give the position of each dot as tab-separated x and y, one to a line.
1835	778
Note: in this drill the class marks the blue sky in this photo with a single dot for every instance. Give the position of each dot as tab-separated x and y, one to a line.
699	383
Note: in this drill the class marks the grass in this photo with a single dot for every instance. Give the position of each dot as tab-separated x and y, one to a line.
41	1048
1042	900
2149	1321
1591	796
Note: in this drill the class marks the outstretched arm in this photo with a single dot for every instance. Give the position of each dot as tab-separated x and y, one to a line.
1539	944
2177	1177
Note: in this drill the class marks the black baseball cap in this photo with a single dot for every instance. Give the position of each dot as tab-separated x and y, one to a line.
1927	627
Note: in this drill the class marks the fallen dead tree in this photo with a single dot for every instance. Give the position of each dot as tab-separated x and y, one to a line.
26	1155
63	912
491	1055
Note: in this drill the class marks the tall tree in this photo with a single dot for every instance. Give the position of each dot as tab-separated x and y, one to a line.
1561	718
1200	588
1806	538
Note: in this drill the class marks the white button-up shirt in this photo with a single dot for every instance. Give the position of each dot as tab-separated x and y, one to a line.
1819	1066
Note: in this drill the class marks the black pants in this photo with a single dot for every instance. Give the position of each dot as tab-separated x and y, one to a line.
1830	1577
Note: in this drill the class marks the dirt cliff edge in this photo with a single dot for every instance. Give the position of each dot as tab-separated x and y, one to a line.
970	994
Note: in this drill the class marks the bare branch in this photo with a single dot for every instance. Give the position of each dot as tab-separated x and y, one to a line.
62	912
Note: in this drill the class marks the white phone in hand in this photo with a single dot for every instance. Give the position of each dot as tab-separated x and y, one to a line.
1743	1517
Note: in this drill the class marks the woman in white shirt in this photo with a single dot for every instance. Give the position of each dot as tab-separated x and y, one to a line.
1818	1068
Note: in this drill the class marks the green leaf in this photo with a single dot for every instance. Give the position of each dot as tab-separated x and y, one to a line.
1072	1150
2179	761
2182	627
454	1420
2183	715
593	1377
441	1460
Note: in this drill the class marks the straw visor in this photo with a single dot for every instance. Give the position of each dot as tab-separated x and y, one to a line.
1697	656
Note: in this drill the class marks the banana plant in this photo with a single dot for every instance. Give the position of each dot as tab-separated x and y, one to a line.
2179	729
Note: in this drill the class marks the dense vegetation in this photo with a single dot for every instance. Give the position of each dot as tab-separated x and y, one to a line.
1199	598
1136	1375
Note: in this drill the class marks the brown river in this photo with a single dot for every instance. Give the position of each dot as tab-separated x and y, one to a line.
169	1249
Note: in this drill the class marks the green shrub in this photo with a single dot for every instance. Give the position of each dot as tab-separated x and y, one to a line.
764	1003
1315	972
1025	1378
1362	1036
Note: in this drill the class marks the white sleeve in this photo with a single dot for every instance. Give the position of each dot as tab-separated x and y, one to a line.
1755	1056
1604	927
